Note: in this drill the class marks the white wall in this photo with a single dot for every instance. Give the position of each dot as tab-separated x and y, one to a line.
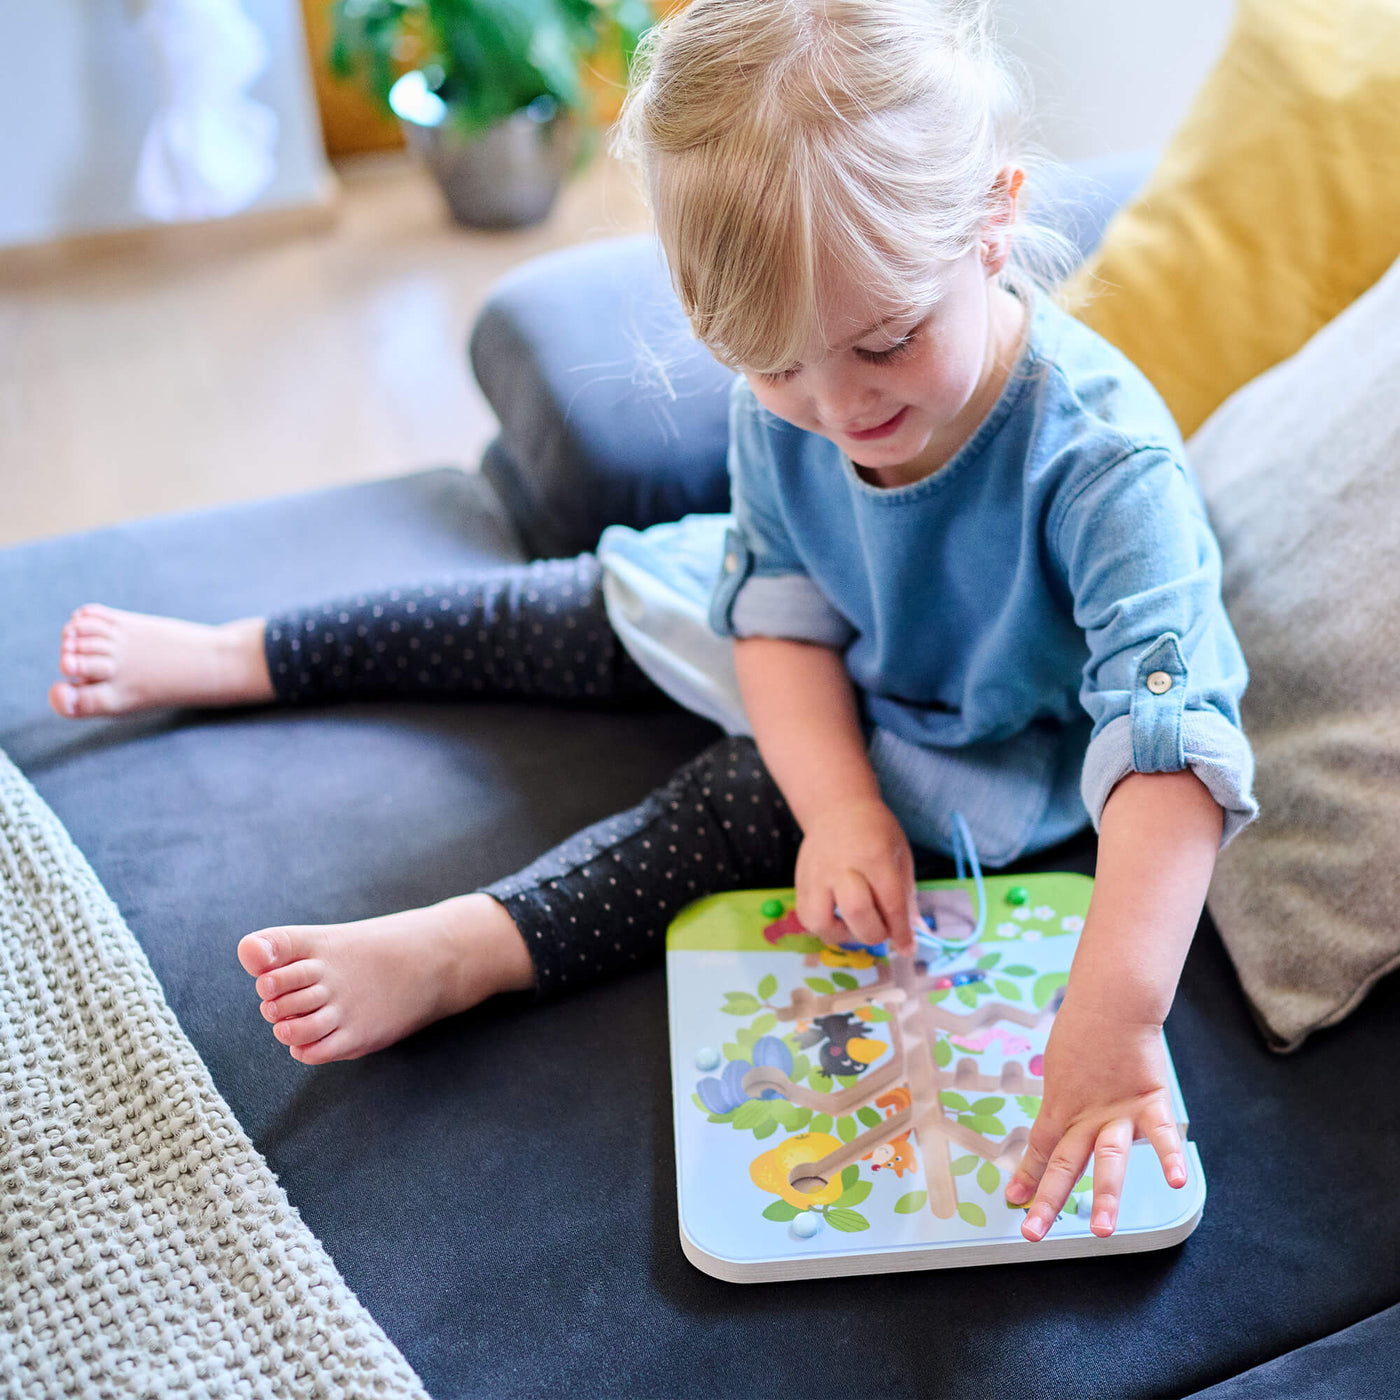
77	90
1113	76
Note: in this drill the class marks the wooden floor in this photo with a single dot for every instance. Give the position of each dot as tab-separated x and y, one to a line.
134	383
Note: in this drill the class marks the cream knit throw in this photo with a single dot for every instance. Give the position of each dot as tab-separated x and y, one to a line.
145	1246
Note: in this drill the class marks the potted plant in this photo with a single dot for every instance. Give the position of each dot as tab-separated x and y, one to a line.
492	93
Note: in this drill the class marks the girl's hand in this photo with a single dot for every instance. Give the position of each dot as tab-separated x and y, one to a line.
1105	1084
856	858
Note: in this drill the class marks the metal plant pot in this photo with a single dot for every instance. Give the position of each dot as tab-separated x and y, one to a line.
505	177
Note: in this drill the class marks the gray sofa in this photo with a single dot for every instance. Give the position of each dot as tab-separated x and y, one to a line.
499	1189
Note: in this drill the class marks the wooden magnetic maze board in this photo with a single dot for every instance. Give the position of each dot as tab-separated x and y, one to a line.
840	1111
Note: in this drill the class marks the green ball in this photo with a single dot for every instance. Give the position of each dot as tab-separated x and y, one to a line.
772	908
1017	894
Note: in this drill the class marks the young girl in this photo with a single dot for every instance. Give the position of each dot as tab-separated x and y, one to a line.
967	570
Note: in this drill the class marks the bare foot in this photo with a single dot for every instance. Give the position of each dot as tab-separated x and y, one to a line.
116	662
339	991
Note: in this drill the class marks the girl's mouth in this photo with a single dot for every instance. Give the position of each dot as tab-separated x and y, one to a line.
881	430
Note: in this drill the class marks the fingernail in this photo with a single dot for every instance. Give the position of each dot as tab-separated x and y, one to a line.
70	703
1017	1193
1037	1226
1102	1222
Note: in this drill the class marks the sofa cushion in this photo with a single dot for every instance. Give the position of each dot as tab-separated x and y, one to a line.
611	411
1301	475
1276	204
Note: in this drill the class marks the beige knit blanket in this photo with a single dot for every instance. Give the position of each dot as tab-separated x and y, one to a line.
145	1246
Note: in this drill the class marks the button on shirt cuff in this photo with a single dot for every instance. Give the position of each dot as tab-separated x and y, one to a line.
1211	747
786	605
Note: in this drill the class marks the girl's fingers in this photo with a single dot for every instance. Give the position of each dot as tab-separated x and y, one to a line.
894	894
858	909
1041	1143
1110	1167
816	911
1064	1168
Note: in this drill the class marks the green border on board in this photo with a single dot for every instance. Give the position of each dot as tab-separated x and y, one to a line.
734	922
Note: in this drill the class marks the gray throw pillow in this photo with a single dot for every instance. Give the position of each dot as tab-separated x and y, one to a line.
1301	475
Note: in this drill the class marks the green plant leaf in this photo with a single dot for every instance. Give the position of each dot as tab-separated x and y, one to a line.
988	1177
820	985
848	1220
960	1166
950	1098
781	1210
750	1114
746	1035
740	1004
723	1117
801	1067
850	1174
1009	991
821	1123
990	960
973	1214
846	1080
1085	1183
734	1051
1046	986
767	1129
845	1129
792	1116
943	1053
855	1195
914	1201
940	995
767	986
1071	1205
988	1106
966	995
1029	1104
764	1024
845	981
868	1116
982	1123
1019	970
819	1081
876	1015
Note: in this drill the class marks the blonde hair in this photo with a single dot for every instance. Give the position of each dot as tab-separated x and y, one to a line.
781	142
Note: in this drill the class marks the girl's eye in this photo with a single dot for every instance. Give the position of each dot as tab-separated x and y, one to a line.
891	356
782	375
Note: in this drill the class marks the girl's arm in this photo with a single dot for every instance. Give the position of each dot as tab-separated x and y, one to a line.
854	855
1105	1065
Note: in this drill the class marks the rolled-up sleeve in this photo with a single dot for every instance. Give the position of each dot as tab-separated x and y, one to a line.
764	590
1165	671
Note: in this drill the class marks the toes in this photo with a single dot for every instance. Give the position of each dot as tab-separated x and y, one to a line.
297	1003
94	615
270	948
336	1046
302	1030
79	667
83	701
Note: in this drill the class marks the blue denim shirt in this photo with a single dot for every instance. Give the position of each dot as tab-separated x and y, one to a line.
1024	627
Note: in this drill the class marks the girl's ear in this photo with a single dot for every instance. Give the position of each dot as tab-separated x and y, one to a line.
996	232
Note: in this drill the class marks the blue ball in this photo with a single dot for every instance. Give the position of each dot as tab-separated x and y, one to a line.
806	1225
707	1058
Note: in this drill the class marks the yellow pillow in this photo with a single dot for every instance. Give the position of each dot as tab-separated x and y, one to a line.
1275	206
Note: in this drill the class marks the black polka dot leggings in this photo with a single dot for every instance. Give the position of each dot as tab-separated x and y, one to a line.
600	902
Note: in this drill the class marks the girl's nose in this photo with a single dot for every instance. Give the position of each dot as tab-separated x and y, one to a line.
846	403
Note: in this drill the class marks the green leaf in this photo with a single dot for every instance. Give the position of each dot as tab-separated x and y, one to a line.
974	1215
868	1116
989	1105
765	1129
746	1036
723	1117
846	1080
820	985
1085	1183
821	1123
1046	986
876	1015
855	1195
914	1201
781	1210
819	1081
943	1053
1008	990
960	1166
845	981
764	1024
733	1051
983	989
1019	970
767	986
845	1129
850	1174
1071	1205
848	1220
950	1098
801	1066
982	1123
966	995
939	995
990	960
792	1116
750	1114
988	1177
740	1004
1029	1104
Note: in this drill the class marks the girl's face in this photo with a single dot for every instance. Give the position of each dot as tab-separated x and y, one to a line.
901	399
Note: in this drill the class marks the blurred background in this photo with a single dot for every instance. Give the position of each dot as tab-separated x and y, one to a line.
231	267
